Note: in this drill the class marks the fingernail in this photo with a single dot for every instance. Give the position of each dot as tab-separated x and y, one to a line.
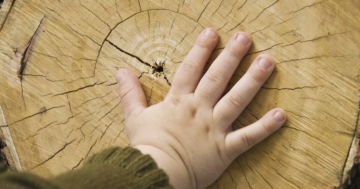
242	38
264	63
210	33
279	116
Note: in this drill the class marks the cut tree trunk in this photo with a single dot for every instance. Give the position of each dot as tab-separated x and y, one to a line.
59	99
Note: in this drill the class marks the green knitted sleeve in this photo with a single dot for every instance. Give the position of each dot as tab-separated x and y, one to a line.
124	168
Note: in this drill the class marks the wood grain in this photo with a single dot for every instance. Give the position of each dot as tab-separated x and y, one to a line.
60	98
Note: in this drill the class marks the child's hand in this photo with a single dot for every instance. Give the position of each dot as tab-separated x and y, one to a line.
189	134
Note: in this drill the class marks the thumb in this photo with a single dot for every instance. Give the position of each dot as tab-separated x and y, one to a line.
132	95
239	141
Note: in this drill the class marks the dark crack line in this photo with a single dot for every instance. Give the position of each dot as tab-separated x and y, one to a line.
291	89
129	54
253	115
67	144
302	116
46	126
354	135
305	132
314	39
92	100
241	6
27	51
79	89
264	49
35	75
139	6
313	57
221	27
30	116
106	129
117	11
264	179
264	10
110	111
77	165
232	8
92	146
217	8
80	128
7	14
95	15
284	21
203	11
68	119
166	79
238	23
242	170
307	6
84	36
67	97
289	32
284	177
106	38
122	121
261	29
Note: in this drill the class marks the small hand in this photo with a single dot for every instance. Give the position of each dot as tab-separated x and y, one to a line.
189	134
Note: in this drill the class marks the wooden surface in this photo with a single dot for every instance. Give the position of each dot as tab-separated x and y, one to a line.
60	99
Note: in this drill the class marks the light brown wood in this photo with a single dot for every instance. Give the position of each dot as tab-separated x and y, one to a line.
60	99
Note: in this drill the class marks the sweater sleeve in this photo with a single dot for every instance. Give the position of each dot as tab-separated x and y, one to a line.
124	168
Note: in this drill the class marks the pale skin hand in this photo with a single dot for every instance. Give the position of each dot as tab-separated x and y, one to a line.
189	134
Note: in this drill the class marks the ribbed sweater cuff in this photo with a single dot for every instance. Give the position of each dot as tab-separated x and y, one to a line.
143	167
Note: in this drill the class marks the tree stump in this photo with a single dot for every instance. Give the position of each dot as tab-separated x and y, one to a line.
59	99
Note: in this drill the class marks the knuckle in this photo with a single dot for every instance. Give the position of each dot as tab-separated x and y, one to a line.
175	100
189	65
248	140
233	51
256	76
236	100
265	127
214	77
125	91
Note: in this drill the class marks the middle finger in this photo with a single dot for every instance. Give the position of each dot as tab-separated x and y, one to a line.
213	84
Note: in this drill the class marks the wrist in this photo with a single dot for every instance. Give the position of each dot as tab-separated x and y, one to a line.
178	174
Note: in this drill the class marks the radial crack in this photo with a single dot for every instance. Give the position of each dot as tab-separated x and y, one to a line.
27	51
127	53
48	159
264	10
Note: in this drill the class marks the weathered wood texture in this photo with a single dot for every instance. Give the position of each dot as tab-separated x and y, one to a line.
60	99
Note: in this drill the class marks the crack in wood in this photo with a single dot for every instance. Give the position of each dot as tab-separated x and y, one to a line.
27	51
308	6
110	111
287	180
129	54
104	132
91	147
52	156
355	134
43	110
95	15
291	89
238	23
260	51
203	11
264	10
242	170
4	18
79	89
